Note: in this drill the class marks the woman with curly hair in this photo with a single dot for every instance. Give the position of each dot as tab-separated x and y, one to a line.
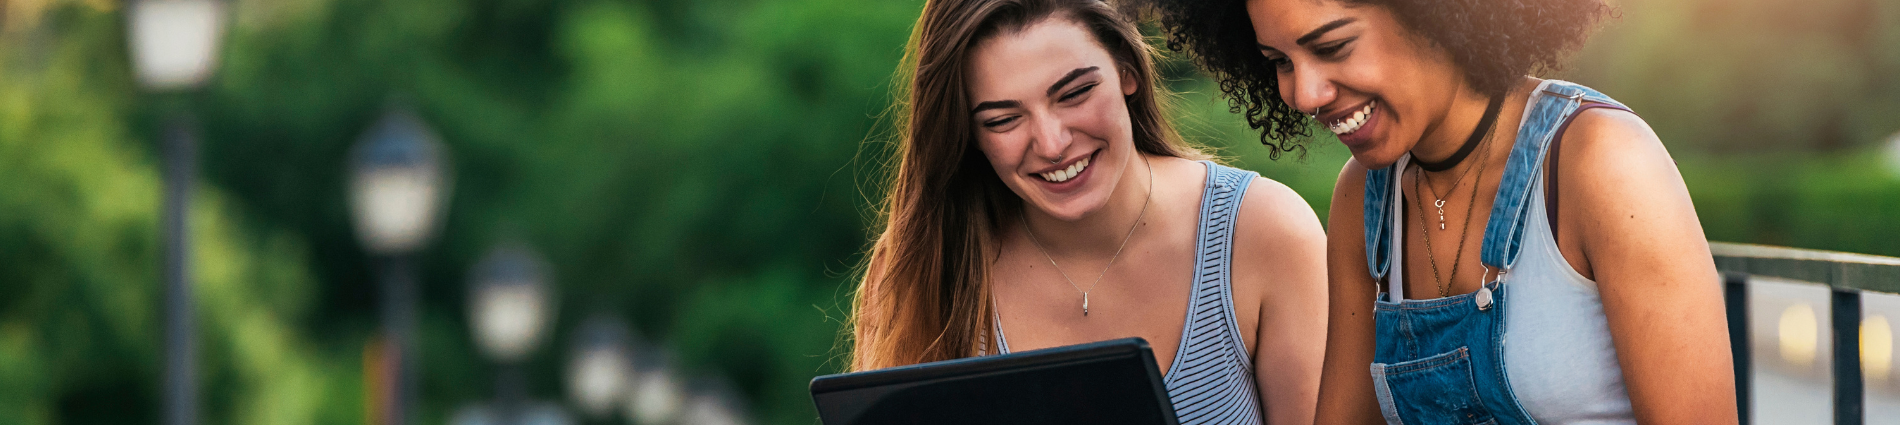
1501	248
1039	198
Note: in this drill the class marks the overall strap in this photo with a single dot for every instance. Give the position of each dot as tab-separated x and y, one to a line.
1379	183
1551	105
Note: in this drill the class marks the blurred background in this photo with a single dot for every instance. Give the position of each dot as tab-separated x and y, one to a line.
618	211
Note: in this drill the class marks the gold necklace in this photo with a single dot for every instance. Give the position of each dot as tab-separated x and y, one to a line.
1443	286
1111	259
1439	201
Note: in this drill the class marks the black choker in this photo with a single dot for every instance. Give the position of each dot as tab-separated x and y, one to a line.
1477	135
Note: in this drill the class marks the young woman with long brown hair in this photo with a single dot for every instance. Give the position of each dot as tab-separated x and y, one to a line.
1040	199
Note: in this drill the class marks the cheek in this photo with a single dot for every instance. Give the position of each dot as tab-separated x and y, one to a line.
1005	151
1403	65
1102	117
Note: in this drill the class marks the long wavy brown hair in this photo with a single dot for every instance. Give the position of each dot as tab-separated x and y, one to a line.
925	288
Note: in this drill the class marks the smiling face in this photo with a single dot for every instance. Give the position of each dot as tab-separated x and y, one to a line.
1050	115
1371	82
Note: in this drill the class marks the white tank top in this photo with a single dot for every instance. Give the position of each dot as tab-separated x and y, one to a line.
1558	355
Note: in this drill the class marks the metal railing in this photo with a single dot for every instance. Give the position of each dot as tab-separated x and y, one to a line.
1845	278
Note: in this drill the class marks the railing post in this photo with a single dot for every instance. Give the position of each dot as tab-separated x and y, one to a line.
1735	293
1848	388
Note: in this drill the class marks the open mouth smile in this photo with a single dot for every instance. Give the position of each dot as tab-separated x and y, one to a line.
1063	175
1349	124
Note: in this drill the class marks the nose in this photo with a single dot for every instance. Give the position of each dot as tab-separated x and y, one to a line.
1309	90
1049	138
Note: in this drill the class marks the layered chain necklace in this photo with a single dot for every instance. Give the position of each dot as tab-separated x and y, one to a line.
1443	284
1111	259
1480	136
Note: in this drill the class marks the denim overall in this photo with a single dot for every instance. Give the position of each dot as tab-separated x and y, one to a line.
1441	361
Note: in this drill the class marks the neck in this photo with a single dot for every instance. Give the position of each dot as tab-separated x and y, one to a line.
1101	232
1441	141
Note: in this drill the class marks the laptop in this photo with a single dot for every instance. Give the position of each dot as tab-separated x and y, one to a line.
1107	382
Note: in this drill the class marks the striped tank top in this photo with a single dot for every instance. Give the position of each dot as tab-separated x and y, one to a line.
1211	378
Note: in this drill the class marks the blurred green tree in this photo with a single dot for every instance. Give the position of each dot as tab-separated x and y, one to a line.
701	168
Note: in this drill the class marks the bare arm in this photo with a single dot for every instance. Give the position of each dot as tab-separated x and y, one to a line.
1641	241
1286	237
1345	391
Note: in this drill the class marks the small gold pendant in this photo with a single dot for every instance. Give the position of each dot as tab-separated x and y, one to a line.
1085	304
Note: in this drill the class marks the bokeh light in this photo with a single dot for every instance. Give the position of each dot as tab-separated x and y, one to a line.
1799	335
1876	348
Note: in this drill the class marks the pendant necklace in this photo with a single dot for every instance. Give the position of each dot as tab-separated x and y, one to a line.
1478	135
1443	285
1111	259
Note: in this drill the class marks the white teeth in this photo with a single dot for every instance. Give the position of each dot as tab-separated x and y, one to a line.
1351	124
1065	174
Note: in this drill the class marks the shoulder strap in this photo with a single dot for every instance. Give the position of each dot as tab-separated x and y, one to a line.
1220	202
1220	208
1550	106
1378	208
1556	152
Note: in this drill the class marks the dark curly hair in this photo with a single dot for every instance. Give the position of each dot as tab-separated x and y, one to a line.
1494	42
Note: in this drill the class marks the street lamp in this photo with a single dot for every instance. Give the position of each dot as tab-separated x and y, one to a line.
509	303
713	403
599	369
536	414
174	45
398	179
656	395
397	184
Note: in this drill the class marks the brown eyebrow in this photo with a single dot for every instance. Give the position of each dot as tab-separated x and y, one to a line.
1077	73
995	104
1316	32
1066	79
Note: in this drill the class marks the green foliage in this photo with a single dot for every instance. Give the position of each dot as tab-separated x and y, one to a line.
79	322
696	167
1841	202
1740	76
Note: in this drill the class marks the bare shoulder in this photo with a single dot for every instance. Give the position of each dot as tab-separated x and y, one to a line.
1628	200
1605	132
1613	156
1279	246
1345	217
1273	215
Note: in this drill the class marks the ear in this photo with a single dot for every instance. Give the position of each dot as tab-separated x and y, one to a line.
1129	83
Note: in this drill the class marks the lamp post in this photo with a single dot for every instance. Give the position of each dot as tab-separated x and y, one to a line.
398	179
533	414
174	45
509	303
713	403
656	396
600	366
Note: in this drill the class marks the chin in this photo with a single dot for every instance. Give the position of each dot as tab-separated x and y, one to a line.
1378	154
1076	208
1377	157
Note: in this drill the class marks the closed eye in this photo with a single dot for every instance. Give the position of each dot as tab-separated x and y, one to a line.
999	121
1078	92
1279	63
1330	49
